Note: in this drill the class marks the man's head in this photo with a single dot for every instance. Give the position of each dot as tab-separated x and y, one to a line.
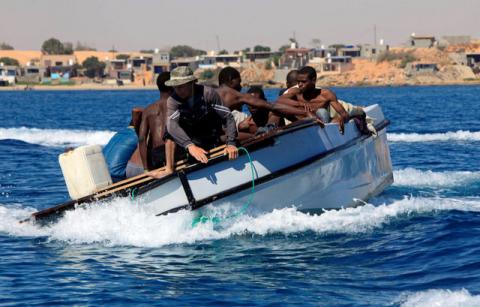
259	116
248	125
161	79
306	78
230	77
182	81
292	78
257	92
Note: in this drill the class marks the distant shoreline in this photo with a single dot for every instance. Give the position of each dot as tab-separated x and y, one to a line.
77	88
99	87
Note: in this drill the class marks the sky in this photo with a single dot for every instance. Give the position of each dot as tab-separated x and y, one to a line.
131	25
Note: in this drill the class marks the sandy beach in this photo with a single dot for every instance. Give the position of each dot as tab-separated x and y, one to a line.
80	87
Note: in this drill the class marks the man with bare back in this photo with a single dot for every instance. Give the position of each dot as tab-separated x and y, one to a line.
155	150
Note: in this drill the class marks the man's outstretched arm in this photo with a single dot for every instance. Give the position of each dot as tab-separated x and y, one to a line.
254	101
287	100
337	106
287	110
230	126
224	113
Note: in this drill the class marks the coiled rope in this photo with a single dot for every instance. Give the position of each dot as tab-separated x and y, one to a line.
133	193
215	219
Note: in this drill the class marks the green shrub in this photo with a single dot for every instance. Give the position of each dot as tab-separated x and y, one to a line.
122	57
408	58
276	60
404	57
93	67
268	65
5	46
9	61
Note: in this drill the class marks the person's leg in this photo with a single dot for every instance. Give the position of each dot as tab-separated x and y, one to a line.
276	120
133	170
323	115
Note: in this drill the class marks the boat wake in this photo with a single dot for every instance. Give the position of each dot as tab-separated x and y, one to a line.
56	137
438	297
410	177
123	222
459	135
62	137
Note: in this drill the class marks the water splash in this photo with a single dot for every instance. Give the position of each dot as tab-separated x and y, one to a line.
438	297
123	222
417	178
459	135
56	137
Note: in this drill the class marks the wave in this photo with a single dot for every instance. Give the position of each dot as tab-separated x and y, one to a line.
123	222
417	178
56	137
66	137
459	135
438	297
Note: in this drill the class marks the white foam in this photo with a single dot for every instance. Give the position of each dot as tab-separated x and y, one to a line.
56	137
349	220
441	298
417	178
122	222
459	135
10	217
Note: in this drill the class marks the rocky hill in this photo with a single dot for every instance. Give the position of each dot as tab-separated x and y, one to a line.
397	67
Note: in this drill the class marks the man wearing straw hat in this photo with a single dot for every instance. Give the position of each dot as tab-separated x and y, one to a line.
196	115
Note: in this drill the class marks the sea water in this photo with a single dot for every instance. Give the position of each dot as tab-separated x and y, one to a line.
416	244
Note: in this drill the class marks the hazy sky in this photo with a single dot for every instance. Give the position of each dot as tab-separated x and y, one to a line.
131	25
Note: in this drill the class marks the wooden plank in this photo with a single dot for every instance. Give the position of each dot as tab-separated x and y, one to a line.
144	175
145	180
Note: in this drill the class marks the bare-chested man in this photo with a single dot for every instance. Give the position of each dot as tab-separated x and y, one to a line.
155	150
229	89
306	96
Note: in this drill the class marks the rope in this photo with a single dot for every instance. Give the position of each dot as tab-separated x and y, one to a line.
215	219
132	193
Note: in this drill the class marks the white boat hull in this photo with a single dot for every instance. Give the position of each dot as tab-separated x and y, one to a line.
329	183
311	168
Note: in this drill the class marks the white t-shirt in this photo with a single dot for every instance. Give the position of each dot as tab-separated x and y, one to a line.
239	117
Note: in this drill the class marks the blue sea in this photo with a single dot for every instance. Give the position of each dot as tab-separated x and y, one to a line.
416	244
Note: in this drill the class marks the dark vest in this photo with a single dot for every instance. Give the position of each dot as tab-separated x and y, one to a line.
200	121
